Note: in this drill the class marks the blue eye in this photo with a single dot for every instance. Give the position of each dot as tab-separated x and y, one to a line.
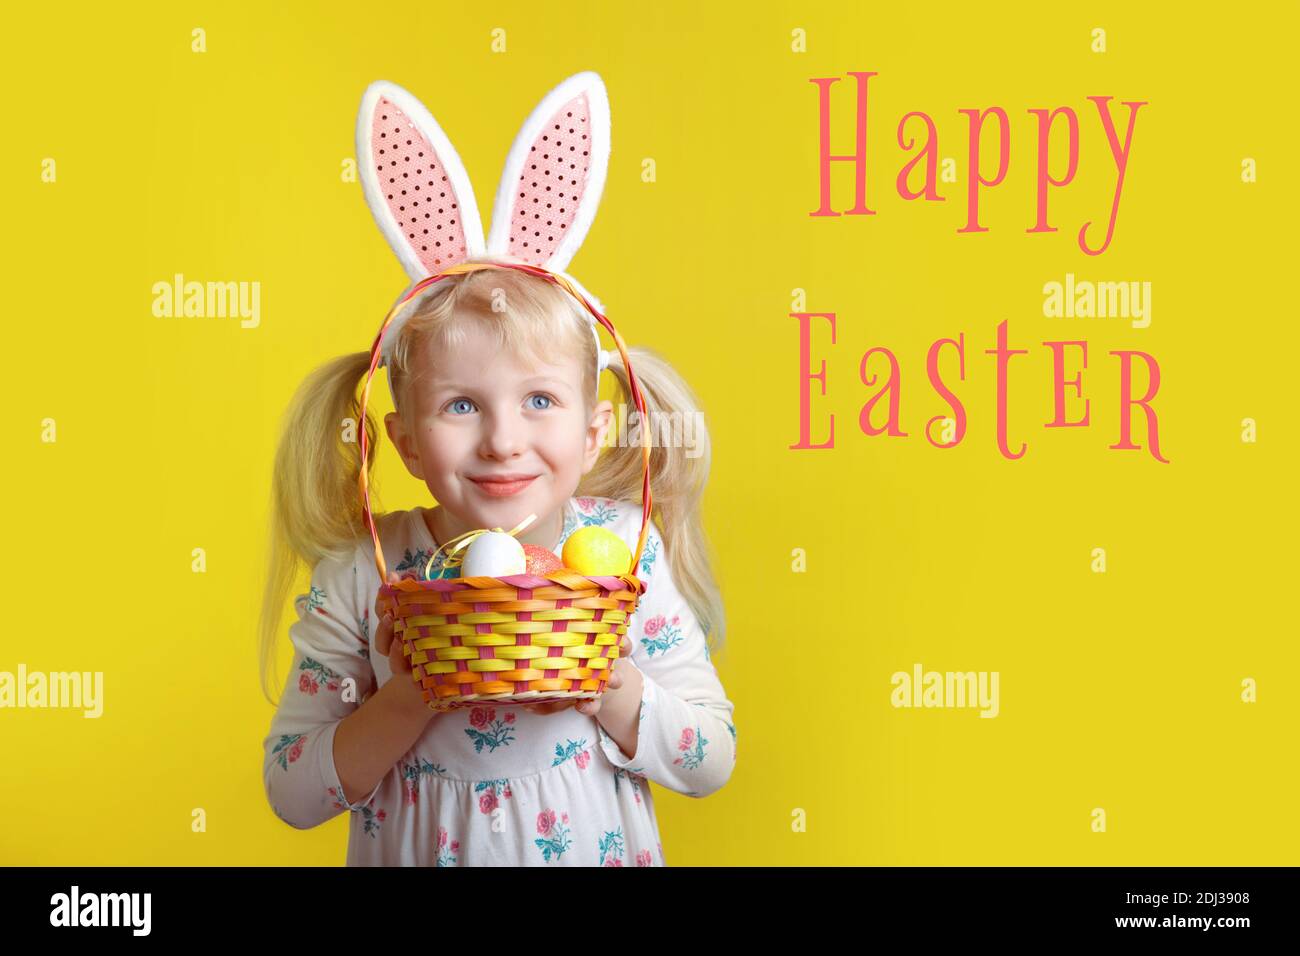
460	401
545	398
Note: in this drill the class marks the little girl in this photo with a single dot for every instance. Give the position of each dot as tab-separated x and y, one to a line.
494	377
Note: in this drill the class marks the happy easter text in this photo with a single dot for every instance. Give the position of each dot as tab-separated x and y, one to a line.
1132	364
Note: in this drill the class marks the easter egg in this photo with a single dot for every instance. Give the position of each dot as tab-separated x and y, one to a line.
540	560
596	551
493	554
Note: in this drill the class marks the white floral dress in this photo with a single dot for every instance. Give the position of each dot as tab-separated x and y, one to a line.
498	785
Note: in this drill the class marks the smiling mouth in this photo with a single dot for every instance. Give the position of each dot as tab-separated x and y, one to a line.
499	488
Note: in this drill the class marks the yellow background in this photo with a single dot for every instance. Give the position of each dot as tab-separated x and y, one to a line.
1118	690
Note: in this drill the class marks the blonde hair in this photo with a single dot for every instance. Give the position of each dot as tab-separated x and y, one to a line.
315	503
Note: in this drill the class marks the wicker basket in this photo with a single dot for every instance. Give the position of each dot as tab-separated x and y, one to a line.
521	638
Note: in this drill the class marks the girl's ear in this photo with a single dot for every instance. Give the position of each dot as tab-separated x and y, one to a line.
554	176
602	417
414	183
401	440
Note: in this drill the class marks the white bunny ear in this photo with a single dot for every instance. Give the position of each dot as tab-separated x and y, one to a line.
414	183
554	176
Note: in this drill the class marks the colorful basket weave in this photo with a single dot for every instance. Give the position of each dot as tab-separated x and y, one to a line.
521	638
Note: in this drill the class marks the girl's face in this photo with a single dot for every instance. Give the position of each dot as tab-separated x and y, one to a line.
496	440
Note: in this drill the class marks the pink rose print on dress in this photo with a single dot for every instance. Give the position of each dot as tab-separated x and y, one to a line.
595	512
447	848
643	858
316	600
371	818
661	634
692	749
632	778
411	773
486	731
575	749
288	749
491	793
554	839
412	565
316	674
611	848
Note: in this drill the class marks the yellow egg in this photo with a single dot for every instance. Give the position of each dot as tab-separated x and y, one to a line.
596	551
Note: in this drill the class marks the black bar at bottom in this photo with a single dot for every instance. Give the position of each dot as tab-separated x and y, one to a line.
215	904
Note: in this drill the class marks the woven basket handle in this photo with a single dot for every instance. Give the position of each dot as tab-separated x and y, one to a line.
555	279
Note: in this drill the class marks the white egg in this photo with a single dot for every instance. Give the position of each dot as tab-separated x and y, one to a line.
493	554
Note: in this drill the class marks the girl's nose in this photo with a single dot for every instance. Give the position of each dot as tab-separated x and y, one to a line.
503	437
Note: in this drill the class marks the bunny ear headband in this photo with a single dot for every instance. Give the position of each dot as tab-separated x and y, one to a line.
420	195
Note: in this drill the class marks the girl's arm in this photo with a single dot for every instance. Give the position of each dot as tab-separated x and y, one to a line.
686	737
321	709
369	742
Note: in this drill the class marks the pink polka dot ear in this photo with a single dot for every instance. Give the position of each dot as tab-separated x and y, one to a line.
414	183
554	176
547	198
420	197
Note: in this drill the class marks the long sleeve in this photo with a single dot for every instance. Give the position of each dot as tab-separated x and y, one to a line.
330	675
686	739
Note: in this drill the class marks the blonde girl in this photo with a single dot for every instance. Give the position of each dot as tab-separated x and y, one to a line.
494	374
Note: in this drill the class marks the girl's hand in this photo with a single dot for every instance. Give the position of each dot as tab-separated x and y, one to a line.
589	706
407	692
